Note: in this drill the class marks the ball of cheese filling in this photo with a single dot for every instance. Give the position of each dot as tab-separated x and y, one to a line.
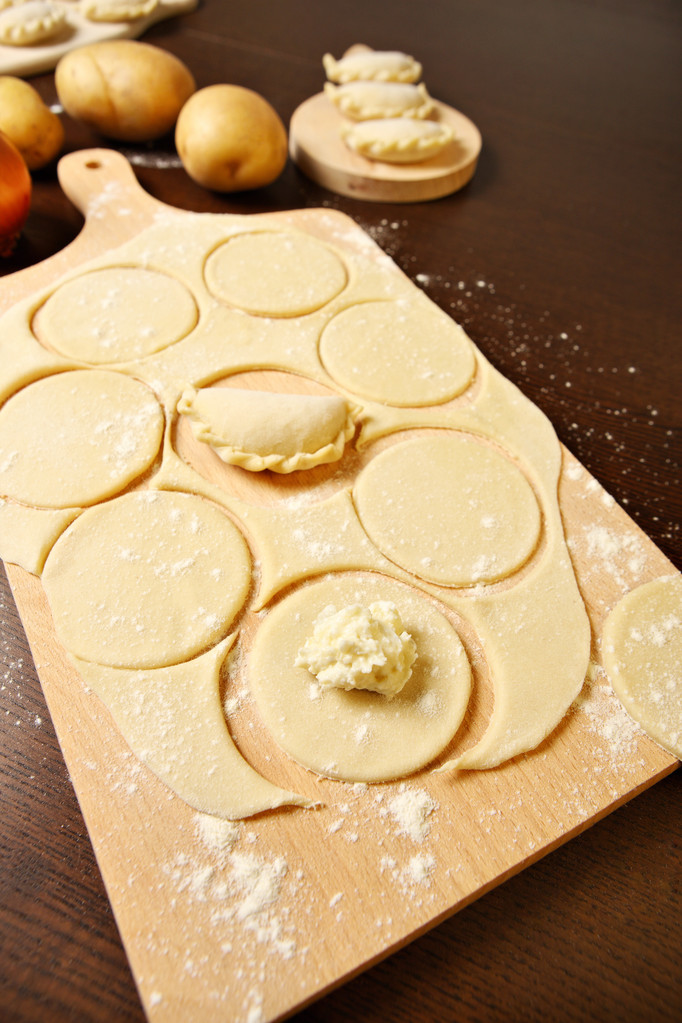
360	648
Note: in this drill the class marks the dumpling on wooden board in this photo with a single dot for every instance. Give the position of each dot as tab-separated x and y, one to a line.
398	139
364	101
259	430
26	24
372	66
117	10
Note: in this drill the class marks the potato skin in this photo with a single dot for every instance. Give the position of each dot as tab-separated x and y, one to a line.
28	122
230	139
123	88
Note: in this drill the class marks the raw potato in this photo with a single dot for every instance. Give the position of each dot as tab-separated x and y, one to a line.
34	129
230	139
124	89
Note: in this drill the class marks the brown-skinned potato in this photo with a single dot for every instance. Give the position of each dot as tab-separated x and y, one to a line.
231	139
124	89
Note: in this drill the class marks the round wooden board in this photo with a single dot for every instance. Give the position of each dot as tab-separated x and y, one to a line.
316	147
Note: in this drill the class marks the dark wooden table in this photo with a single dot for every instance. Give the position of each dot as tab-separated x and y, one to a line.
562	261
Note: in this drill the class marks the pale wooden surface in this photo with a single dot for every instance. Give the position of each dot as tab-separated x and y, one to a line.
349	896
317	147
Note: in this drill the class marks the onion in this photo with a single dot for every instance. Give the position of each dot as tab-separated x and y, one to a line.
15	194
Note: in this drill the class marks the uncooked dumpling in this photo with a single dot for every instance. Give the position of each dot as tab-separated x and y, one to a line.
35	21
372	66
398	139
362	101
117	10
262	430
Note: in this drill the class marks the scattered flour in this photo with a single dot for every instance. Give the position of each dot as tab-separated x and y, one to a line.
220	836
607	717
414	876
410	809
420	868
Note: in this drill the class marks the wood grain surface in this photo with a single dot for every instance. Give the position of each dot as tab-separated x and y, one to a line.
560	260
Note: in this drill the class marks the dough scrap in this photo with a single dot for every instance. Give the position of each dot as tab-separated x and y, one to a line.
28	534
34	21
173	721
364	101
117	314
372	66
358	735
532	629
398	139
117	10
405	353
275	273
642	652
147	580
480	522
75	438
260	430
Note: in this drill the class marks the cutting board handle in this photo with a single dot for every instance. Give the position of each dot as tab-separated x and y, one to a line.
101	183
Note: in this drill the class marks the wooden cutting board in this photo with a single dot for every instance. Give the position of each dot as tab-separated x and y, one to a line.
257	920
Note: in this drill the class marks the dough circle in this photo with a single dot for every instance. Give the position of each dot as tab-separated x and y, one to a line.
275	273
117	314
84	436
359	736
399	353
642	651
449	508
147	580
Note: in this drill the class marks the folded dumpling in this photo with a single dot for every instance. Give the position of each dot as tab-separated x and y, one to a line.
263	430
117	10
363	101
34	21
372	66
398	139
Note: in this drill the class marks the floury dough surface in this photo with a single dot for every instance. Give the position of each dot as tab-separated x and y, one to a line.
83	436
481	521
147	580
144	582
405	352
275	274
642	650
90	317
173	720
358	735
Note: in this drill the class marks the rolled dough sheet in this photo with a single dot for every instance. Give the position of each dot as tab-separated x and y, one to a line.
451	493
